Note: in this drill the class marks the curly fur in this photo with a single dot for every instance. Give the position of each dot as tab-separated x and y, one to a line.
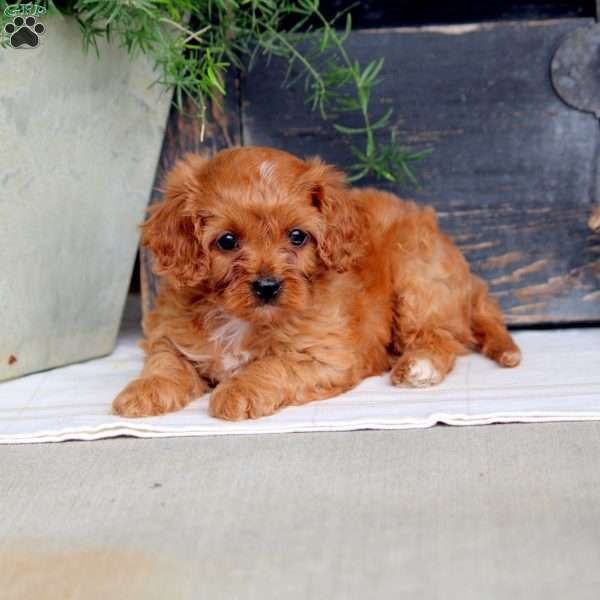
377	287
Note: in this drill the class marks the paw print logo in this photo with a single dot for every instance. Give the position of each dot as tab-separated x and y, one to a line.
24	33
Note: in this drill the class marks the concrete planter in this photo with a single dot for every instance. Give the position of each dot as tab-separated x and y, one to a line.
80	139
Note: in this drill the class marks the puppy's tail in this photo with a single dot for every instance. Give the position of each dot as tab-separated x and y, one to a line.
487	326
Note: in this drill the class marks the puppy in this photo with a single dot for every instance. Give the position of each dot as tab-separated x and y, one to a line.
281	285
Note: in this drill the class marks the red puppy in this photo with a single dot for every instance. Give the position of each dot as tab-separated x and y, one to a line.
281	286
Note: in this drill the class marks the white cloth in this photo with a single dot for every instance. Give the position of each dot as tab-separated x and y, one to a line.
558	380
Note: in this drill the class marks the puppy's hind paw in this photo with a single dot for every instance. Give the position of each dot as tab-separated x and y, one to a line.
416	372
509	358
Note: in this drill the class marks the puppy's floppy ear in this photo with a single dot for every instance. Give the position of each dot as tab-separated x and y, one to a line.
171	232
340	244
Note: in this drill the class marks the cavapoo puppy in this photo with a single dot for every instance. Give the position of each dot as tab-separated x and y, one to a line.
281	285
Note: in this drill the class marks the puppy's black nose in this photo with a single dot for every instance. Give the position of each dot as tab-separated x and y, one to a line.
266	288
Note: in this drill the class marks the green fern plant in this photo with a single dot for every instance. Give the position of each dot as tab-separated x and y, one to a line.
193	44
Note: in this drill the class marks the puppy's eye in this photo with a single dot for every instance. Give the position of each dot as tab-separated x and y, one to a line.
297	237
227	242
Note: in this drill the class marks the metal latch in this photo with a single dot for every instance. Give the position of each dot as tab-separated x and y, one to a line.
575	69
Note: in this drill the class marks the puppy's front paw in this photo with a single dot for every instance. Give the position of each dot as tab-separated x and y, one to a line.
416	371
234	401
148	397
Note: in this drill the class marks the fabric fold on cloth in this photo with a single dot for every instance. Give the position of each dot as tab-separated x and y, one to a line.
559	380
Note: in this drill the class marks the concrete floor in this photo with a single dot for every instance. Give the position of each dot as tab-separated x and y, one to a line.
508	511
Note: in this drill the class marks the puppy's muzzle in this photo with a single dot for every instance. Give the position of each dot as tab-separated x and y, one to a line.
266	289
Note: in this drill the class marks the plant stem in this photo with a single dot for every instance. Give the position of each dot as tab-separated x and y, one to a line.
357	83
297	55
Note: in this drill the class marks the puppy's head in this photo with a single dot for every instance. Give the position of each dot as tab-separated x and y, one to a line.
253	227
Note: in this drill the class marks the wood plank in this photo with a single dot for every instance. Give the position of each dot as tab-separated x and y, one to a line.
513	172
374	13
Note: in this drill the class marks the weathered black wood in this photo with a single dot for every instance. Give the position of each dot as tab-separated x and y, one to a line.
513	172
383	13
183	134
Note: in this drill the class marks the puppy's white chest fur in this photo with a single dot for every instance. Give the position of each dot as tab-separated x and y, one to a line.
228	338
223	351
232	362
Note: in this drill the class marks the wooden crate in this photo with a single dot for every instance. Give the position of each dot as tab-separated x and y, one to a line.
514	169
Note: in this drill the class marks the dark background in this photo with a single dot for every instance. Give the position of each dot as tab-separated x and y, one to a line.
383	13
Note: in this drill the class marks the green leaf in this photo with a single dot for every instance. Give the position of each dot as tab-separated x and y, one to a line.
349	130
371	71
383	121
